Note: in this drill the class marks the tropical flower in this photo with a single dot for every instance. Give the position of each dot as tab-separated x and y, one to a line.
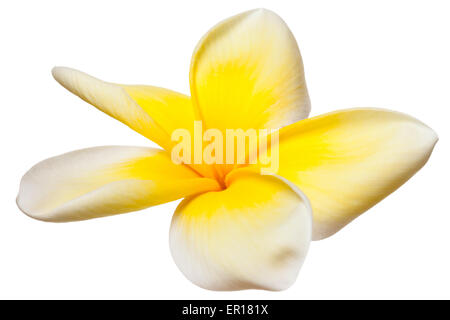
236	228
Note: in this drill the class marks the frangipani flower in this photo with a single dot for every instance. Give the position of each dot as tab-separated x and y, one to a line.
236	228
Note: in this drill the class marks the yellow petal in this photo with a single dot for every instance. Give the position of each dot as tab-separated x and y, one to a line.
153	112
347	161
247	73
254	234
103	181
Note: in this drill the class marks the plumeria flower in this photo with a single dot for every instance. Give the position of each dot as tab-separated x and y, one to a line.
236	227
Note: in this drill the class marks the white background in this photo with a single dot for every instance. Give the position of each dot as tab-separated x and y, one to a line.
389	54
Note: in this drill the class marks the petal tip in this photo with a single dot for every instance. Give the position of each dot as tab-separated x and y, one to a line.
428	137
69	78
263	11
20	202
434	136
63	76
58	72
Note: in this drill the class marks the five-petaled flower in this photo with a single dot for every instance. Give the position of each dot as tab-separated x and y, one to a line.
236	228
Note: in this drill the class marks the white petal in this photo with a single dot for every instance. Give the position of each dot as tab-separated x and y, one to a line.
103	181
255	234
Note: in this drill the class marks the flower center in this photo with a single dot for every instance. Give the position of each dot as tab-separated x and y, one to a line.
214	153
